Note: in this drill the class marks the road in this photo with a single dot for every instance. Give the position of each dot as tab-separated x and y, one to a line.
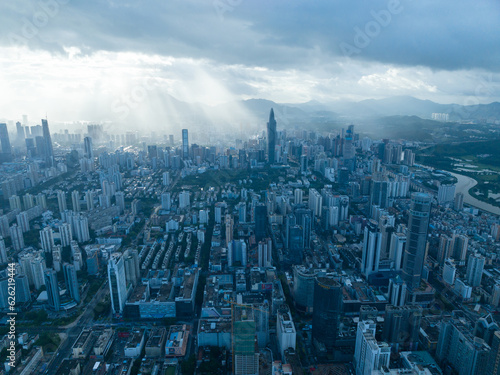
74	329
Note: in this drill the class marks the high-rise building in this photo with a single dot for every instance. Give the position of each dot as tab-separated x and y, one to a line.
285	330
23	221
89	199
61	201
66	234
475	266
380	193
265	253
5	143
446	193
449	271
75	200
117	282
460	245
260	211
53	298
237	253
315	202
132	270
88	150
398	243
48	149
16	235
446	246
120	201
298	196
369	355
185	144
402	326
458	204
15	203
397	291
3	251
165	201
493	366
416	245
166	178
184	200
229	228
271	138
47	239
41	201
245	357
303	288
458	347
71	281
28	201
371	249
326	312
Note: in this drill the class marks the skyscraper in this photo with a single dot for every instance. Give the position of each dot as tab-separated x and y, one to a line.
3	251
371	249
16	235
71	281
117	282
260	222
475	266
185	144
415	249
66	234
369	355
52	290
61	201
326	311
271	137
48	149
5	142
245	357
75	200
47	239
87	148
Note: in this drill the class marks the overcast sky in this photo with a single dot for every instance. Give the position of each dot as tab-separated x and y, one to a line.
88	59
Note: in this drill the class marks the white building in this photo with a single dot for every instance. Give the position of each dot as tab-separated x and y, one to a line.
446	194
369	355
47	239
285	330
117	282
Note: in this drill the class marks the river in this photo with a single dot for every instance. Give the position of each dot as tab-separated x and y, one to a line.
464	183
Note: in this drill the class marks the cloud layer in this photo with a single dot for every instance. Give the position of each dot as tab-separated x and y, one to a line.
90	54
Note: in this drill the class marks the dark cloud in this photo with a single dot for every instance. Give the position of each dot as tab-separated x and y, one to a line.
278	34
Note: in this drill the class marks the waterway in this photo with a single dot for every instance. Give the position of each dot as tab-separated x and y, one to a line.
464	183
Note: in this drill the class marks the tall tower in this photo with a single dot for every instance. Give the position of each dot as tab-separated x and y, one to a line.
326	311
271	137
371	249
87	148
5	142
117	282
185	144
418	225
71	281
52	290
49	151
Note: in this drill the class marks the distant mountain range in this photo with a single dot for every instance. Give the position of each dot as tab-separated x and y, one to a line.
250	116
362	111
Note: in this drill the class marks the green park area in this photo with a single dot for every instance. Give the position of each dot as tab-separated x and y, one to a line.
479	160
